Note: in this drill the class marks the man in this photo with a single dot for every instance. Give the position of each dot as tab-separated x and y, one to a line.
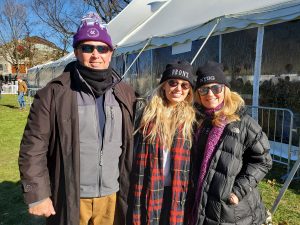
22	89
76	152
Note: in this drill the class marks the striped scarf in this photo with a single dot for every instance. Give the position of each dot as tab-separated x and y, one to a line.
149	180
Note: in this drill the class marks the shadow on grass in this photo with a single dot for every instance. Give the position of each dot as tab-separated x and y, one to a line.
277	173
10	106
13	210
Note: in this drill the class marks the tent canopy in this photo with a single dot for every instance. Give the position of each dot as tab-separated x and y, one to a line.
178	21
135	14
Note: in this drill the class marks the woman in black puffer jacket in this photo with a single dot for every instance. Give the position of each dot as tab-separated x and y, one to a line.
229	158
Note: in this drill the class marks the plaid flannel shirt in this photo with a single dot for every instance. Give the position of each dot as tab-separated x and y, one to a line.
149	180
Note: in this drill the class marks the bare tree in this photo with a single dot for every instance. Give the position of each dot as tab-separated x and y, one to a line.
108	9
61	16
13	18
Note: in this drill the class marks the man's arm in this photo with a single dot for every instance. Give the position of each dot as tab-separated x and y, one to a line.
33	155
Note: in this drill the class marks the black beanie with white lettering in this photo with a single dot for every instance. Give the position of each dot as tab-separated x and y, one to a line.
211	72
179	70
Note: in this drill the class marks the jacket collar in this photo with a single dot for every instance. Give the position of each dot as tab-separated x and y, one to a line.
119	88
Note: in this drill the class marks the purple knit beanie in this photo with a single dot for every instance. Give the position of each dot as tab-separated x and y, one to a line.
92	29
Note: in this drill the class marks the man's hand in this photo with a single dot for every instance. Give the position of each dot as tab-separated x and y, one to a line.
233	199
45	208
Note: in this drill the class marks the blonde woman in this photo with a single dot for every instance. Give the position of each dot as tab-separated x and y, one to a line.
230	156
163	152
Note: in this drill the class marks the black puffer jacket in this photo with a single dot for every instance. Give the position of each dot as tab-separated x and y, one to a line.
241	160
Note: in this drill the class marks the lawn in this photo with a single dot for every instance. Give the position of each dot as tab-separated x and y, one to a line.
13	211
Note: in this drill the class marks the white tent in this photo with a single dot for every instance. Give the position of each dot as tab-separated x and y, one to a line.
180	21
135	14
174	22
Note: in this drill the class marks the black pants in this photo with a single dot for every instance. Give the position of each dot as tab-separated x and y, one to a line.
166	206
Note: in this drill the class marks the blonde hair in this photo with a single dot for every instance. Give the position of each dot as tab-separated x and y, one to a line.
233	102
165	120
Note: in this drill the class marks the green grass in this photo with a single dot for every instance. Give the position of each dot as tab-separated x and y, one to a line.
13	211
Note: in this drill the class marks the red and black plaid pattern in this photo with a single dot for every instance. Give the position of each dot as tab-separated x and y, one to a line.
149	180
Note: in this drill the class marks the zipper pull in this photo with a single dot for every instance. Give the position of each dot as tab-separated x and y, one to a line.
101	158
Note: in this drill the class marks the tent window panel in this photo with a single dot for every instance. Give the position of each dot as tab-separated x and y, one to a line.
163	56
281	67
238	57
209	52
117	64
139	75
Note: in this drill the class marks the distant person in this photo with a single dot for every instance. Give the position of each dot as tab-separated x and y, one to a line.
230	156
9	78
22	89
15	79
77	148
163	145
1	81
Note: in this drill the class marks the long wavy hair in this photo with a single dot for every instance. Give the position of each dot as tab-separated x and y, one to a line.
233	102
165	120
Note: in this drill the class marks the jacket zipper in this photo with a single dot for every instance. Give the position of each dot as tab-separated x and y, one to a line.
100	153
112	123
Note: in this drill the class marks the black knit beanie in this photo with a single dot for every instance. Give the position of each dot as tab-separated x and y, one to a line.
179	70
211	72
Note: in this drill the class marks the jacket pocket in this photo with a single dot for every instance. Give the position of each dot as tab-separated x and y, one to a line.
227	213
239	212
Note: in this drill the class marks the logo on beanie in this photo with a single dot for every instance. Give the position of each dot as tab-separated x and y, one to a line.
178	72
92	32
206	79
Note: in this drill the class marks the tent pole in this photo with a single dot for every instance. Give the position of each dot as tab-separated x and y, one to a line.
257	69
220	48
148	42
206	39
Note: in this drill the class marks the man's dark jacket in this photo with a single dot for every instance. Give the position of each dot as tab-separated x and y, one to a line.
50	155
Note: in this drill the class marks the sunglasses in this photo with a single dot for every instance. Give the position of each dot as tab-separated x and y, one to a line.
216	89
175	83
102	49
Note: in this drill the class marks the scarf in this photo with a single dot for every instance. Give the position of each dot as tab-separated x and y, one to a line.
149	180
98	80
213	138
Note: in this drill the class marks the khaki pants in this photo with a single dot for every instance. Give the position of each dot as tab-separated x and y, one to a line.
98	211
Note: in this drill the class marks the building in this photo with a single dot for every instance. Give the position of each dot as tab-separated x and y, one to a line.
33	51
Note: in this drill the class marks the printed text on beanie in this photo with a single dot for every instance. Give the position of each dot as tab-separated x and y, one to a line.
211	72
179	70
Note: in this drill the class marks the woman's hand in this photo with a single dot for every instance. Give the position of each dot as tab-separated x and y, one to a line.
233	199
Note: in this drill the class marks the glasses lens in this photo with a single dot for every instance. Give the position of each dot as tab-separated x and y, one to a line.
216	89
90	48
185	85
87	48
203	90
102	49
172	83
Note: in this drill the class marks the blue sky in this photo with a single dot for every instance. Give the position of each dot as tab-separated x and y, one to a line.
39	28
